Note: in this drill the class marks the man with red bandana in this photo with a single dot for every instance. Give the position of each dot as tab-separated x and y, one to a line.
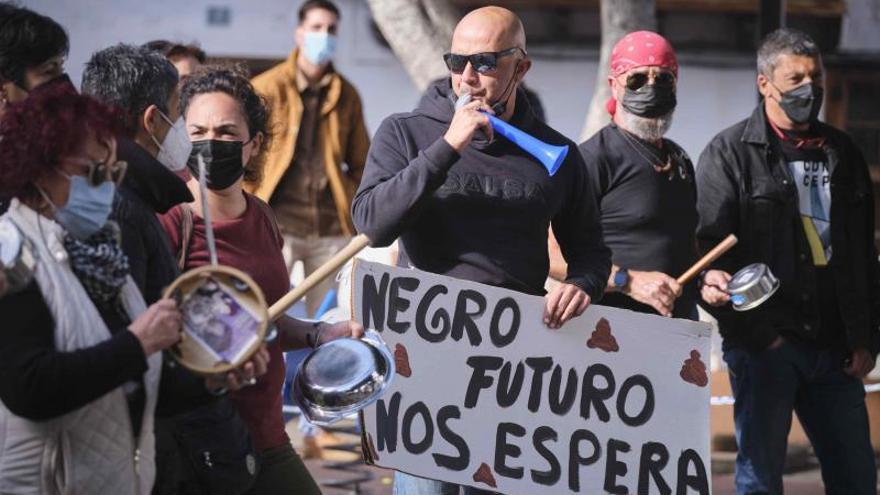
645	183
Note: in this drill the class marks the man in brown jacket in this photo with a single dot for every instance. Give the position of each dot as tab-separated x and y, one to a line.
316	157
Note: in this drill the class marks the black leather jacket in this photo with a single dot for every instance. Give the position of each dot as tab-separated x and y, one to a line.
745	188
149	189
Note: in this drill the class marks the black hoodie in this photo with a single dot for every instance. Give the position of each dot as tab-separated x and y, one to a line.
481	215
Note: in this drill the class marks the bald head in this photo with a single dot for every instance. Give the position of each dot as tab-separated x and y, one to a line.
488	29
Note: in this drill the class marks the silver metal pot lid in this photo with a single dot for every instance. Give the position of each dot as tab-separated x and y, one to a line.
342	377
747	277
751	286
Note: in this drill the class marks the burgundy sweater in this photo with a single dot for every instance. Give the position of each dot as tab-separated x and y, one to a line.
250	243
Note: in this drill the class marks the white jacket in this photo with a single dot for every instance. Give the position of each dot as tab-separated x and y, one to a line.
90	450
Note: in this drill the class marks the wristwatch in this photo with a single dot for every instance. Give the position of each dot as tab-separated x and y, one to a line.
621	278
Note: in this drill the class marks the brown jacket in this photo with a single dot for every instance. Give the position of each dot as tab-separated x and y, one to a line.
341	124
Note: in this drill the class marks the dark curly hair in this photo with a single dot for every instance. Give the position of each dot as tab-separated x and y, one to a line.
27	39
41	130
233	81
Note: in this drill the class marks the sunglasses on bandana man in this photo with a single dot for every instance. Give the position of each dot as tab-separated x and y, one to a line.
481	62
638	80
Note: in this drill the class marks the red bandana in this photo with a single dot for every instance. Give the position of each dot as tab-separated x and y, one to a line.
640	49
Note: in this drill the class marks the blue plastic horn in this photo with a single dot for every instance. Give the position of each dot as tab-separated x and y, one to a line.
551	156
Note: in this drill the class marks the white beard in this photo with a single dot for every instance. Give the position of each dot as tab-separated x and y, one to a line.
646	129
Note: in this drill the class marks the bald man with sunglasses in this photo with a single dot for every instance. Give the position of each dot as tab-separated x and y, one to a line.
645	183
472	205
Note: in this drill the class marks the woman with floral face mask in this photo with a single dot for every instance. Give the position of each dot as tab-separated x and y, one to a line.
79	352
227	123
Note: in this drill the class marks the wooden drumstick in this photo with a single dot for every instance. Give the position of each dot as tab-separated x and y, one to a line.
206	211
354	246
707	260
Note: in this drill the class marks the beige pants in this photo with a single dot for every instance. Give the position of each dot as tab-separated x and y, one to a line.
313	253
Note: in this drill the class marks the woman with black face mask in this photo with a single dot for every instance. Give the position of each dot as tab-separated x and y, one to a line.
227	123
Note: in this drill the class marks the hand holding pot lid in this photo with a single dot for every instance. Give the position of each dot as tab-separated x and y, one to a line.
751	286
342	377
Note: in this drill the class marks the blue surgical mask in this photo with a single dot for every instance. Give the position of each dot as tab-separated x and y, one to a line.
319	47
87	208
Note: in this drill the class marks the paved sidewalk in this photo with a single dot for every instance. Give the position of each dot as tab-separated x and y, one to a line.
803	483
807	482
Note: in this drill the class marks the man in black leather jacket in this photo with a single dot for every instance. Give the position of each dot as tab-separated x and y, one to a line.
143	86
797	194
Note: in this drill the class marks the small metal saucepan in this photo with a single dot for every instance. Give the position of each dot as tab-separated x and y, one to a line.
751	286
342	377
17	257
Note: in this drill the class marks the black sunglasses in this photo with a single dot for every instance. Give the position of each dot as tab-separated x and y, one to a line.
638	80
481	62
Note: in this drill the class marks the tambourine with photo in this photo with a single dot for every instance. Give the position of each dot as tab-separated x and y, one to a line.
225	319
225	315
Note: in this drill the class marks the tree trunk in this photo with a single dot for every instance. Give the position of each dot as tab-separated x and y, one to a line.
619	17
419	32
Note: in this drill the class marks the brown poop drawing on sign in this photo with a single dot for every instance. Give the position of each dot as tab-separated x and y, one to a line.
693	370
484	475
401	361
602	338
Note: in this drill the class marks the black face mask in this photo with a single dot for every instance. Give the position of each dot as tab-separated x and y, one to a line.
650	101
802	103
223	164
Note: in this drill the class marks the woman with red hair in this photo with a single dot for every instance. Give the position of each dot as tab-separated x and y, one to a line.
79	352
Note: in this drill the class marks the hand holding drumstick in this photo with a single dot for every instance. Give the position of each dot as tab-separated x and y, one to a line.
714	290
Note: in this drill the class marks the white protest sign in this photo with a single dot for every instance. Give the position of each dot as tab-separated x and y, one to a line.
487	396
